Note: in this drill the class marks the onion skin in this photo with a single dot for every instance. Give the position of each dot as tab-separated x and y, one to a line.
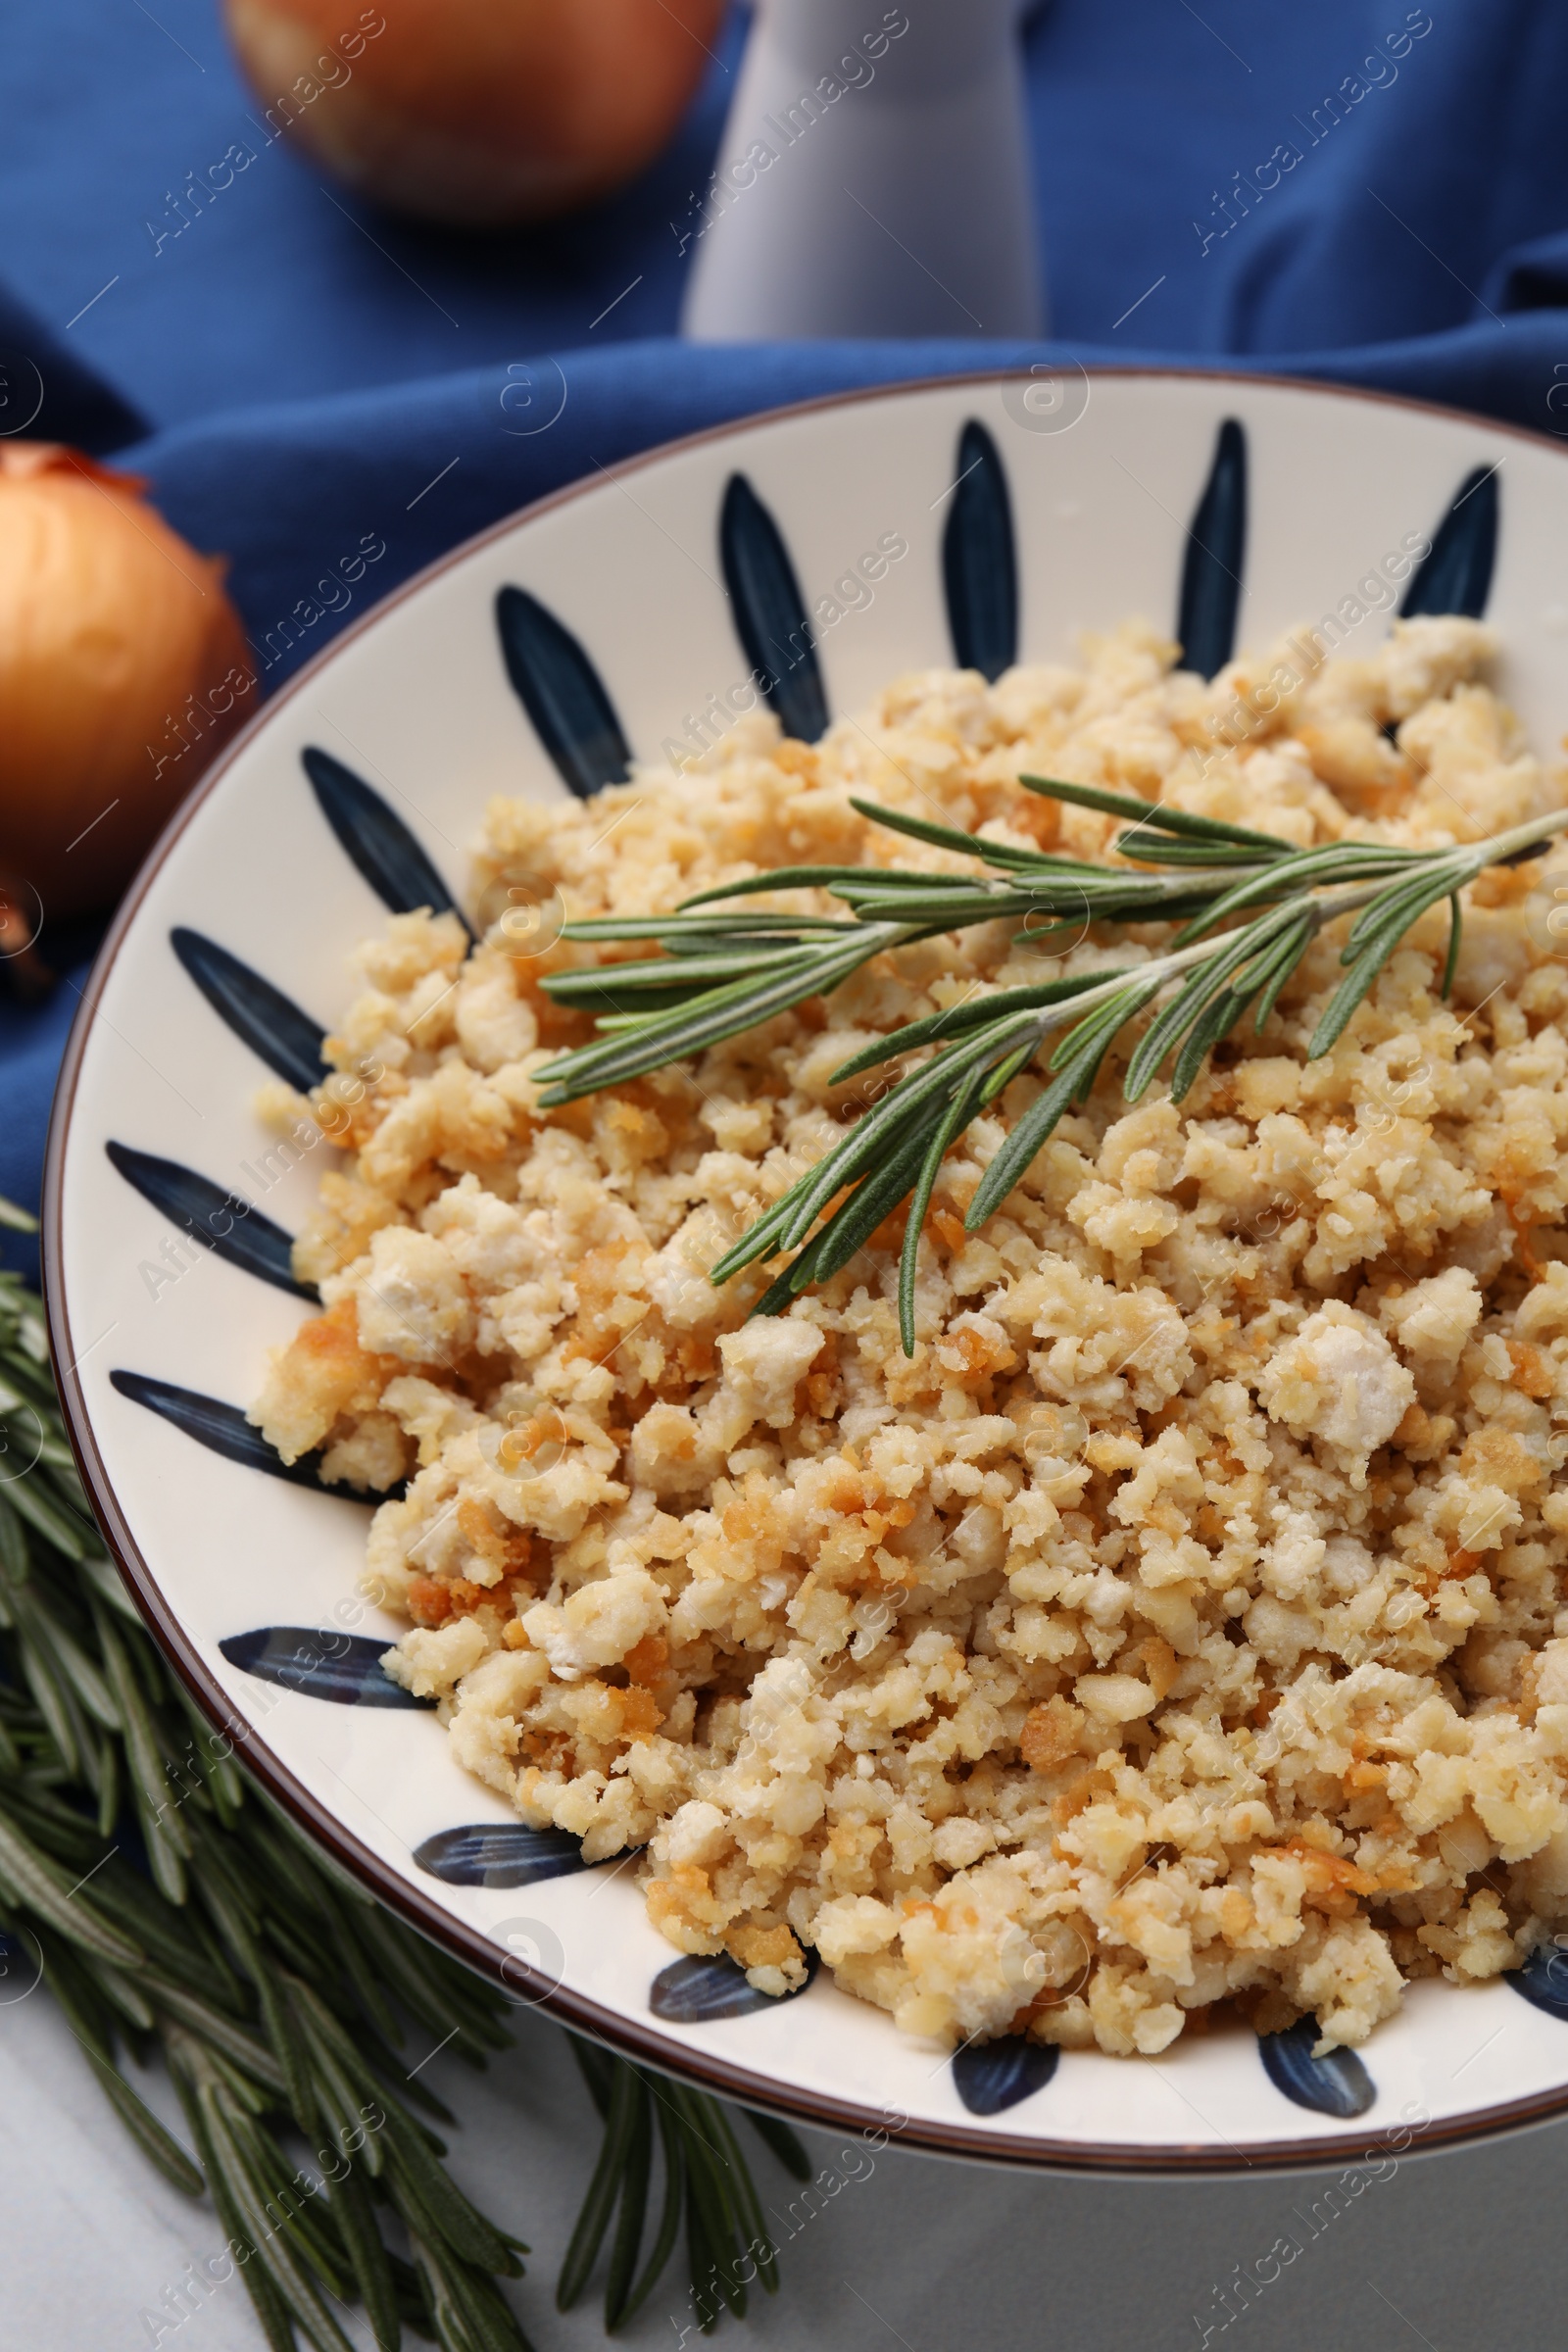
481	114
108	624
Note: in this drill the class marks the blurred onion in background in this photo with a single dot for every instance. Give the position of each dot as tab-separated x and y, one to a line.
481	114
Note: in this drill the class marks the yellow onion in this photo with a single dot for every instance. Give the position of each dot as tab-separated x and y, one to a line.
479	113
122	664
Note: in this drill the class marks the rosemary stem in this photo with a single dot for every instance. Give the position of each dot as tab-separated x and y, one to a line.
1071	1009
1522	837
1324	910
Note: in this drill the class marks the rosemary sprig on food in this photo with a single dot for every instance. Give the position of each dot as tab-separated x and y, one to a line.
276	1990
724	974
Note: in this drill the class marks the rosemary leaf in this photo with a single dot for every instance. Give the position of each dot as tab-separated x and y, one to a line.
779	877
1195	991
637	2169
744	2202
1374	936
12	1546
251	2196
107	1775
975	1012
690	1029
1277	965
156	2142
781	2143
466	2308
1047	1109
1167	850
432	1989
220	2033
716	2265
1307	870
668	2230
166	1838
353	2211
885	1124
75	1988
1154	812
942	837
125	1996
1452	961
1216	1021
460	2224
98	1576
951	1123
849	1227
52	1520
608	981
52	1701
600	2201
27	1877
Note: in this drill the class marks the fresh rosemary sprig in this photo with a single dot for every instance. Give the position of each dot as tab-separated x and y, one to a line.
722	975
705	2182
275	1989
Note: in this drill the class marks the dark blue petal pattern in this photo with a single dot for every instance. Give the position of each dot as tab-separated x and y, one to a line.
344	1667
272	1024
989	2075
770	617
563	692
1543	1980
1217	556
224	1429
1336	2084
694	1992
979	560
1457	577
378	841
490	1853
221	1221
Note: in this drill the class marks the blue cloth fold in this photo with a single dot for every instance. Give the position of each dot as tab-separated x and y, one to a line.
47	393
417	467
1366	192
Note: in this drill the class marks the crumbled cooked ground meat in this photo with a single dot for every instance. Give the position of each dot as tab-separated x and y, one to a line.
1188	1620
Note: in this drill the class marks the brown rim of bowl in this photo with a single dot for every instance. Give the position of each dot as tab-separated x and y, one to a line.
624	2034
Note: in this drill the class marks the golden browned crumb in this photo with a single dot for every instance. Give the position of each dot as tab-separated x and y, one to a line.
1186	1620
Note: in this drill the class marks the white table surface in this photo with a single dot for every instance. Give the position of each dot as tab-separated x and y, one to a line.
1461	2253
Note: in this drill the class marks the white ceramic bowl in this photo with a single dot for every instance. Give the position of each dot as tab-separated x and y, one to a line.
1104	475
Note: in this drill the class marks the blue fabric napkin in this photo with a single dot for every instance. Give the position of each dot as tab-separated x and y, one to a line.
1365	191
